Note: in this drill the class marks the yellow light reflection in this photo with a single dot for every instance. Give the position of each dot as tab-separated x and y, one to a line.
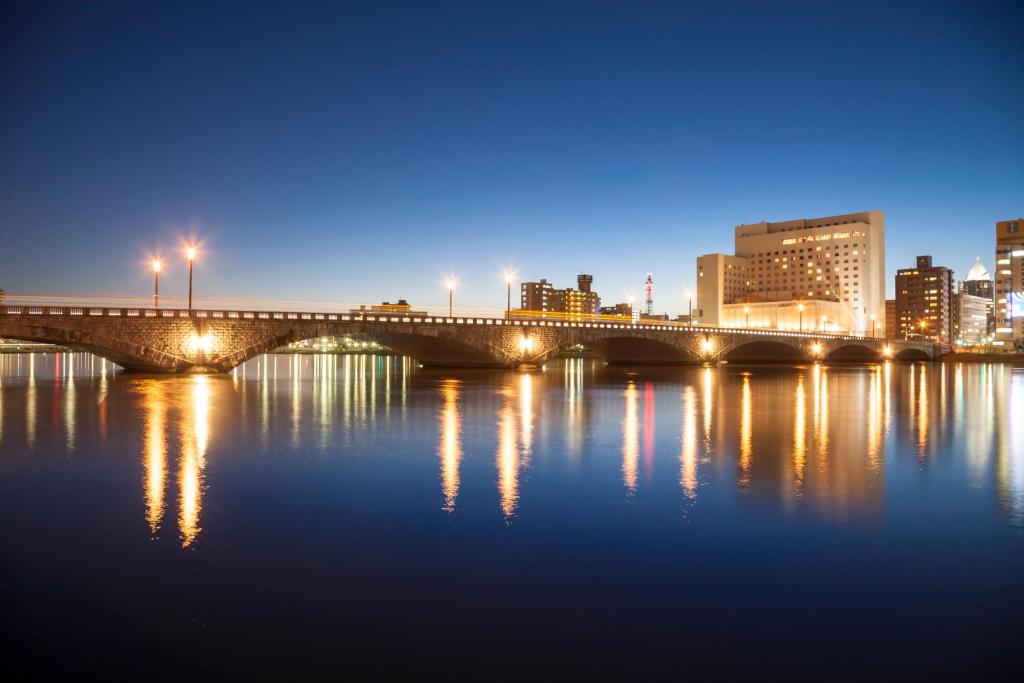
630	440
526	414
508	462
799	435
746	434
450	449
688	454
195	436
154	456
922	413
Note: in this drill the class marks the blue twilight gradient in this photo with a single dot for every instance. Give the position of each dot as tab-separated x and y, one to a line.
358	151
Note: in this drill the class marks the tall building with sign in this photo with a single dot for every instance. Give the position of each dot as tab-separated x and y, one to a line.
1009	291
834	265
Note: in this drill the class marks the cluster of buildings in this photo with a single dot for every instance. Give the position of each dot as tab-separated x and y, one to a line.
828	275
542	296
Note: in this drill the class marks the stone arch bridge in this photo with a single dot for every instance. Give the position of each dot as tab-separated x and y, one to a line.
176	341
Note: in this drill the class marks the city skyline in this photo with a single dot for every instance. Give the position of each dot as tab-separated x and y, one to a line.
369	168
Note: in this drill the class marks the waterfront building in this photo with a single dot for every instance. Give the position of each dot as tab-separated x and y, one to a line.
979	283
623	309
400	307
891	328
1009	285
924	302
835	259
542	296
970	319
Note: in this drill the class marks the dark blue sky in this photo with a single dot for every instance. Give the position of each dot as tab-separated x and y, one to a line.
359	151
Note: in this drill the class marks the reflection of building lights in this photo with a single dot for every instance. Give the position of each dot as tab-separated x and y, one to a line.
200	343
526	344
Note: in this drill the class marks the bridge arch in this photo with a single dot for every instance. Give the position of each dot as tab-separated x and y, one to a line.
912	354
853	352
757	351
630	350
131	356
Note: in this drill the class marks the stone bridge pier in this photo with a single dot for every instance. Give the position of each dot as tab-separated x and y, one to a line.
177	341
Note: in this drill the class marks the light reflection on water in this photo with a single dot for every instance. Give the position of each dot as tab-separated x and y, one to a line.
650	467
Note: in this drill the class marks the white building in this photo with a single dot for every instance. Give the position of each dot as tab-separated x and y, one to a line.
835	259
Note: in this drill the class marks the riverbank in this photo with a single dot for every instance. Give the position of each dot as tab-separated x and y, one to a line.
983	358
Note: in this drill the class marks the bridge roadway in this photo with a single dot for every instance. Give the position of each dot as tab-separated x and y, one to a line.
176	340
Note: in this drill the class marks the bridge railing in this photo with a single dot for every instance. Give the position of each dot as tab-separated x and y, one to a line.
416	318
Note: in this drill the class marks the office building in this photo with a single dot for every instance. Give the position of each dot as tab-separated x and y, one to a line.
970	320
924	302
1009	285
542	297
979	283
839	260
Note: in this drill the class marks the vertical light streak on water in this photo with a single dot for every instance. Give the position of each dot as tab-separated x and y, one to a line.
821	419
295	368
387	386
746	436
264	380
526	416
30	403
922	413
887	399
450	447
70	430
799	437
709	405
649	431
1015	439
346	393
154	455
361	385
688	452
630	440
573	413
875	419
508	461
195	437
374	361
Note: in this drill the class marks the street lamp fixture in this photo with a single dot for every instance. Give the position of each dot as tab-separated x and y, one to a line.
509	277
190	253
800	308
689	297
451	288
156	283
746	316
873	325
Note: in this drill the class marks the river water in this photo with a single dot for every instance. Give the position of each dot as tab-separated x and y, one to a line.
317	516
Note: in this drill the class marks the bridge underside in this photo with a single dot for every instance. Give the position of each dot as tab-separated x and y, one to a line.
200	343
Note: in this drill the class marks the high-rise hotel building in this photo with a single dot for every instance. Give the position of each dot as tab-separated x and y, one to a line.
1009	291
811	274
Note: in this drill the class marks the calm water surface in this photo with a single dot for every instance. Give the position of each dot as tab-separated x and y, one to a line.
310	516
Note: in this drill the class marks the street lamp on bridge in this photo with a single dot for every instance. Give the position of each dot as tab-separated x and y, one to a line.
190	253
873	321
800	308
156	283
746	316
451	288
509	277
689	297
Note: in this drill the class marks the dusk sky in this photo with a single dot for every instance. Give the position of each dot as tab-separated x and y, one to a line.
357	152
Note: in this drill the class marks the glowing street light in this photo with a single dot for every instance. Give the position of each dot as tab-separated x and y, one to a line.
816	349
873	325
746	316
689	297
509	277
156	283
451	288
800	308
190	253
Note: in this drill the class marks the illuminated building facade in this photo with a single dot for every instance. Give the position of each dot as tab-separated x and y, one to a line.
839	259
970	319
1009	285
924	302
979	283
542	296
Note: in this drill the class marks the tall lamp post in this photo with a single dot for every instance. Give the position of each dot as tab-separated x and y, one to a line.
509	276
191	254
156	283
451	288
873	321
689	297
746	316
800	309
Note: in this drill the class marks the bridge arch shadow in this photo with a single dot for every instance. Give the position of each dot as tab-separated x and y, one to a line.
626	350
765	352
912	354
853	353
